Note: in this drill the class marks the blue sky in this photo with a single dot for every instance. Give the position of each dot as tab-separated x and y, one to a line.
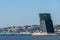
25	12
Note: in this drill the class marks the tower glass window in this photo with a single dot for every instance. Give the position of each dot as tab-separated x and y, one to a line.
46	23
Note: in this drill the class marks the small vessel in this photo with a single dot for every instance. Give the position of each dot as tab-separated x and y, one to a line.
15	34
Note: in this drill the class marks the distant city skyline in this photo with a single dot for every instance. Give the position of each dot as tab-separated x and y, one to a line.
26	12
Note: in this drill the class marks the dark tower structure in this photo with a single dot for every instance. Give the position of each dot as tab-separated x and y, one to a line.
46	23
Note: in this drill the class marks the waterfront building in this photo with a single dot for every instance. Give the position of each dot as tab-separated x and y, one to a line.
46	23
19	29
57	28
36	28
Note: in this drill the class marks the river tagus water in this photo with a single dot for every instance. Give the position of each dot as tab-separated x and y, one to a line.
29	37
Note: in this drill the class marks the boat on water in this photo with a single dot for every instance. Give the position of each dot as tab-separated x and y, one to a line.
15	34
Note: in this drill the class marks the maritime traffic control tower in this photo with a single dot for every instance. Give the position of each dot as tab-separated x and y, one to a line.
46	23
